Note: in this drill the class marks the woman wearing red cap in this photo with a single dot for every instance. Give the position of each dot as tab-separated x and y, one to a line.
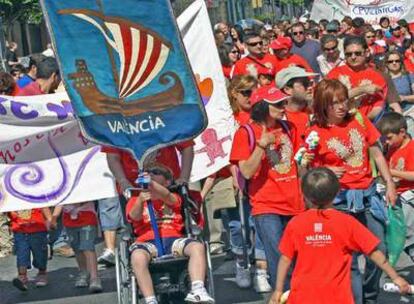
267	162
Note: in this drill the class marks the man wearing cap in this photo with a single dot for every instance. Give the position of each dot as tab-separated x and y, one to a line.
284	58
297	84
307	48
255	60
274	191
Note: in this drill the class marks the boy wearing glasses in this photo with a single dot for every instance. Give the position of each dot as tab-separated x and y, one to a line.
364	83
256	60
167	209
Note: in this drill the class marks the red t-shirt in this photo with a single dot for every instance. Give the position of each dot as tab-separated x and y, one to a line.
73	216
274	188
166	156
300	120
27	221
292	60
409	60
346	146
323	242
242	117
227	71
252	66
402	159
352	79
169	219
376	49
31	89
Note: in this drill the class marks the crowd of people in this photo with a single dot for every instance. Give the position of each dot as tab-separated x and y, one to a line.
324	115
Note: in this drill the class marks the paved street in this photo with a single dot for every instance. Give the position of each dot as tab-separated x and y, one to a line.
63	270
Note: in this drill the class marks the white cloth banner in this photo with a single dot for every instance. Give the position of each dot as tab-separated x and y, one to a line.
212	147
370	10
44	159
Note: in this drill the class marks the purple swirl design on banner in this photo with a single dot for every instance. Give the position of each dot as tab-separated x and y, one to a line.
34	175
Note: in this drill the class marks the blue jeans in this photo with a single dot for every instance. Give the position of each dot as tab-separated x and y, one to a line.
366	288
35	243
236	240
110	214
270	228
58	237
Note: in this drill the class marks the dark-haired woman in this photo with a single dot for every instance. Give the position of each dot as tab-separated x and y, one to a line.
267	162
346	140
228	54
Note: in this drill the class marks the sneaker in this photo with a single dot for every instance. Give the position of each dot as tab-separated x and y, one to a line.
20	282
95	286
260	282
41	280
199	296
82	280
243	278
216	248
107	258
64	251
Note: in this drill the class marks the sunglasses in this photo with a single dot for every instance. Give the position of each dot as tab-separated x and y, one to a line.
393	61
357	54
297	33
255	43
370	37
235	52
330	49
246	93
332	31
280	104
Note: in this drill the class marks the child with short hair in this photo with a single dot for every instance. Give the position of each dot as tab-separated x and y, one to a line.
322	240
167	209
81	224
30	237
400	156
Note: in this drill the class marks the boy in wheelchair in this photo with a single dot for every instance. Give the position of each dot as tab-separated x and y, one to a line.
167	208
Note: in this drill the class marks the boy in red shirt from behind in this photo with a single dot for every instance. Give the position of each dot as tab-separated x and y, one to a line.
81	224
30	238
167	209
322	240
400	156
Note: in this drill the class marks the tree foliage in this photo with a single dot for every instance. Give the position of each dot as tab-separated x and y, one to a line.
27	11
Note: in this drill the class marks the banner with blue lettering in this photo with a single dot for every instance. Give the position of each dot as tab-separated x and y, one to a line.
126	72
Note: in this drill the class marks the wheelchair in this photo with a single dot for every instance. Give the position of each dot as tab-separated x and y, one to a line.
169	274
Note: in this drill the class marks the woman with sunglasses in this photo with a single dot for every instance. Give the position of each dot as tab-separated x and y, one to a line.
403	81
346	141
366	85
330	57
267	162
228	54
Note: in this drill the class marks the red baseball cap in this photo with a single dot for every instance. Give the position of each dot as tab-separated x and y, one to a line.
281	43
270	94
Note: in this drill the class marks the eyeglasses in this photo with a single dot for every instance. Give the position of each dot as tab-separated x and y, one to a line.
255	43
246	93
394	61
297	33
357	54
370	36
330	49
235	52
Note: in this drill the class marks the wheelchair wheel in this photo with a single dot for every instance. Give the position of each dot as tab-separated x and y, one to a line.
209	279
124	281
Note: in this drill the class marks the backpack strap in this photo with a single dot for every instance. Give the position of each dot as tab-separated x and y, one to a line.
285	127
252	137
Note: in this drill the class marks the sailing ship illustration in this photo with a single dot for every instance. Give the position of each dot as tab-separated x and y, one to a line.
142	55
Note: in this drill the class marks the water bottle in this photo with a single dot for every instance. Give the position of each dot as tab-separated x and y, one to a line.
391	287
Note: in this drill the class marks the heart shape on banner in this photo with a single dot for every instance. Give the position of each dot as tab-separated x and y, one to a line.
205	87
